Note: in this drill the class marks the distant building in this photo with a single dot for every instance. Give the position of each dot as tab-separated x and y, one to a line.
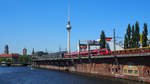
95	45
6	50
118	45
24	51
33	51
41	54
9	55
13	56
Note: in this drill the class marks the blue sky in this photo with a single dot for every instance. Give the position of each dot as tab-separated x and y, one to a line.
41	24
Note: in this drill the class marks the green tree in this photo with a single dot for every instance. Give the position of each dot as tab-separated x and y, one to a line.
2	59
144	36
125	42
24	59
102	40
137	35
133	37
6	51
129	36
7	60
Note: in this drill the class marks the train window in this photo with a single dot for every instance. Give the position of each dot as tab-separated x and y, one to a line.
102	51
94	52
130	71
136	72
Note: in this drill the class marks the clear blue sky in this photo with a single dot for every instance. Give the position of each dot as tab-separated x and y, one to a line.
41	24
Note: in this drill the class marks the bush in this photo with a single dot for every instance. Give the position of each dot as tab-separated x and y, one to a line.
24	59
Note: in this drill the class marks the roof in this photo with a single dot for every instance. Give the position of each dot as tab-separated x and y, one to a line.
9	55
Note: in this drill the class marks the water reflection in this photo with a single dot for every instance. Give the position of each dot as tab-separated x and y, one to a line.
24	75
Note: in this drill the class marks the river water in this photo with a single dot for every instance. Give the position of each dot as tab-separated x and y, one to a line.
24	75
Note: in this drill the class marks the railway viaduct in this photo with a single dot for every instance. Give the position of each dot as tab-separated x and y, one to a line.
128	66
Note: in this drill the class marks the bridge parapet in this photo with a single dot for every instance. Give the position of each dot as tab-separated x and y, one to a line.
96	57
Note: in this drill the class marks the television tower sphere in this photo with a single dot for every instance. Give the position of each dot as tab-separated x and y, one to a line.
68	25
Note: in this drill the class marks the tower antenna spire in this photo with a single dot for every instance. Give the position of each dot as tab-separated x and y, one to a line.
69	12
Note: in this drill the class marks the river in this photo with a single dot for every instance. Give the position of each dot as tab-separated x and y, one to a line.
24	75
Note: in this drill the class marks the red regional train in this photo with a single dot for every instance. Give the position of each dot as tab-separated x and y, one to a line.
85	53
101	52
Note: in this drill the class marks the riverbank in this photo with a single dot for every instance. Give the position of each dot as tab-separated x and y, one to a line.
90	74
14	64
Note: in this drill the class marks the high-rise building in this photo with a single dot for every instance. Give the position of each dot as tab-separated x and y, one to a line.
6	51
33	51
24	51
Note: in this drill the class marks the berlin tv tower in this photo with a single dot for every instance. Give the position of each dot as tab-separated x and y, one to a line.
68	29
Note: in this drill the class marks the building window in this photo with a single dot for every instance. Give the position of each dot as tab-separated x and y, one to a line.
112	69
130	71
116	70
119	68
136	72
125	70
148	72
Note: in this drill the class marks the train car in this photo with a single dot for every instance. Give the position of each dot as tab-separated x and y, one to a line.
74	54
70	55
86	53
131	51
66	55
83	53
103	52
100	52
